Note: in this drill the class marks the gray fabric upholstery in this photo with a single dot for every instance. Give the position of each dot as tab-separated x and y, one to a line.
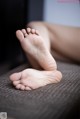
54	101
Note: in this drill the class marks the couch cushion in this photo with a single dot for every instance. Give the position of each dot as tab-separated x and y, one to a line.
54	101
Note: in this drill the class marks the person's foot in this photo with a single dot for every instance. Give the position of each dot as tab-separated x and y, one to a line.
35	48
32	79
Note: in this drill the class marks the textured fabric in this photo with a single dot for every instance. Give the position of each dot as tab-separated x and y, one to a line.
54	101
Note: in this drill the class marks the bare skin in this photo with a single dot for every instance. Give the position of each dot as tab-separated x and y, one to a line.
46	39
32	79
34	45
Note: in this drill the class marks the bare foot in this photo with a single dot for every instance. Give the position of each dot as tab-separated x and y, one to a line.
32	79
34	46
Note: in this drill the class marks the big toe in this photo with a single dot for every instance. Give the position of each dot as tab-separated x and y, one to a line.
19	35
15	76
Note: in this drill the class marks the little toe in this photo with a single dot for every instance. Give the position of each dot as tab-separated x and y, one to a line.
19	35
15	83
15	76
33	31
28	30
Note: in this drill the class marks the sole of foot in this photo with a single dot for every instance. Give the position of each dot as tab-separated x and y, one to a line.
32	79
34	47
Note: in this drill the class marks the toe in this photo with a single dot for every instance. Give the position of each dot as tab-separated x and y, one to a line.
37	32
28	30
15	76
27	88
23	31
18	86
22	87
19	35
15	83
33	31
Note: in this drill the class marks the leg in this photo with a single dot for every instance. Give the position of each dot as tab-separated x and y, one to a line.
65	41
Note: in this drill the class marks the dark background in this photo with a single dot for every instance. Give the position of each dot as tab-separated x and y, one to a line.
15	14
